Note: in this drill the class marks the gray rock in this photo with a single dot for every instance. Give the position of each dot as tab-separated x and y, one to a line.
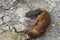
1	31
7	19
21	12
1	21
6	28
1	15
19	27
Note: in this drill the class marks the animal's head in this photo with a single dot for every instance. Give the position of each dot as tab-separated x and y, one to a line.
33	14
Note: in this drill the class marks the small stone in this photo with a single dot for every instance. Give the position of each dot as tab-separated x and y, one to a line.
1	15
20	12
53	4
6	7
13	30
22	20
53	25
58	24
5	28
20	27
7	18
58	38
1	21
1	31
54	0
47	0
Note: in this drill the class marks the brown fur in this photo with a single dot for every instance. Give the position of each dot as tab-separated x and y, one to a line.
43	21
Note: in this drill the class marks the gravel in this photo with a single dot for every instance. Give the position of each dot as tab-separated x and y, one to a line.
12	14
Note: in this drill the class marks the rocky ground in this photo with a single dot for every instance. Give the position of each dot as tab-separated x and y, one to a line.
12	17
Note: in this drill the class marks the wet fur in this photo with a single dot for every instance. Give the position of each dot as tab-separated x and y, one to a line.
43	21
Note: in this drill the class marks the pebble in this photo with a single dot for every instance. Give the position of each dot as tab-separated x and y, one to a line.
12	30
53	4
5	28
22	20
1	15
20	12
1	21
58	23
7	19
19	27
1	31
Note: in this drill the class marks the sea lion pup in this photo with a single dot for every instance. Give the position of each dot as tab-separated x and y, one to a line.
43	21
